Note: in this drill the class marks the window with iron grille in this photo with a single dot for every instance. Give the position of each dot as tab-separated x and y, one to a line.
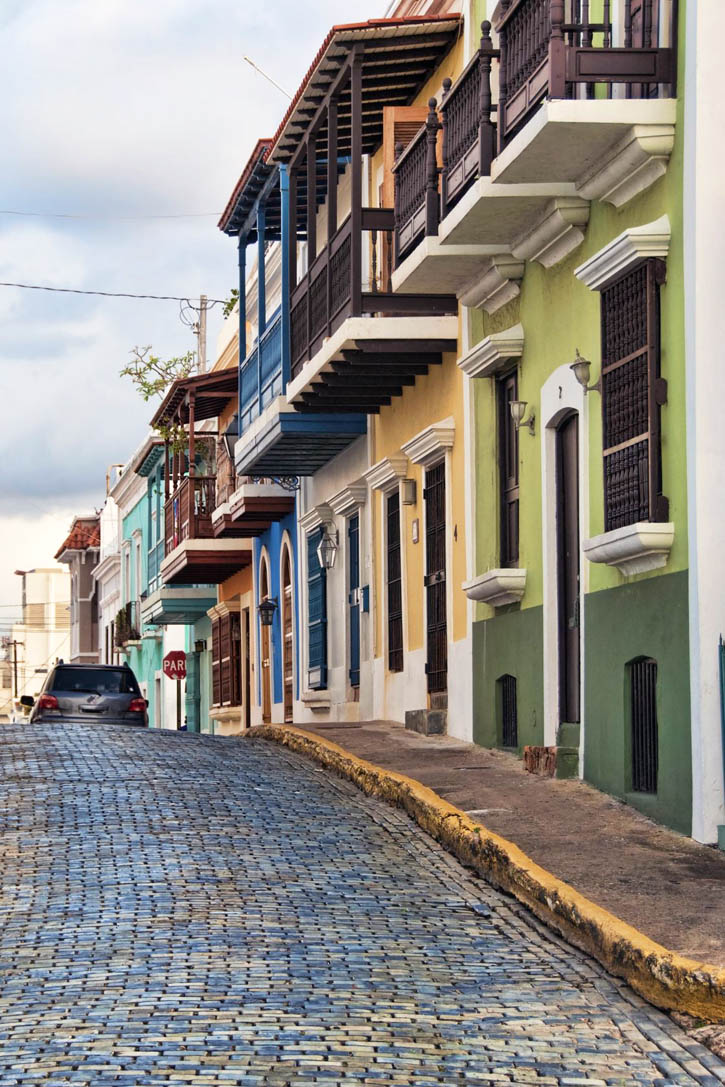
226	660
436	599
508	458
632	394
508	711
643	719
395	584
316	615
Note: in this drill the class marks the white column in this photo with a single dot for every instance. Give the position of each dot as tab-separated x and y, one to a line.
705	366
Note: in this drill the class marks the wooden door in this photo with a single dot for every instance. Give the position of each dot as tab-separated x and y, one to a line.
287	637
567	525
247	656
265	654
353	597
435	578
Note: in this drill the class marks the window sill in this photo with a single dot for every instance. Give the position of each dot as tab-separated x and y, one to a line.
497	587
633	549
316	700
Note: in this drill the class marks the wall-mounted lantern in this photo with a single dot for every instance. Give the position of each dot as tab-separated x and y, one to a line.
328	547
408	492
582	368
518	410
266	610
230	436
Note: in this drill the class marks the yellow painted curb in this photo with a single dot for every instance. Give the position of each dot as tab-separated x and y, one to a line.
663	977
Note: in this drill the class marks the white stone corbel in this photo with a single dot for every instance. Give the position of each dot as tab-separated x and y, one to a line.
494	353
556	234
635	163
633	549
498	283
627	249
497	587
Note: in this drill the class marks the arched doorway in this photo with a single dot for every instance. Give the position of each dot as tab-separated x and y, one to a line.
287	635
266	650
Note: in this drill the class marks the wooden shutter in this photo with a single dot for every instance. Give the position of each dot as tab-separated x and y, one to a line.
316	615
508	454
235	658
632	393
216	672
395	584
400	124
225	641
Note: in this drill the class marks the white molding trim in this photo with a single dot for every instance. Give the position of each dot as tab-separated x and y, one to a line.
636	162
633	245
387	473
633	549
494	353
558	232
318	515
498	283
349	498
431	444
224	607
497	587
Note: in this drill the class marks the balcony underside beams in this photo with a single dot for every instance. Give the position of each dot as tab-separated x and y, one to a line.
205	561
290	443
169	606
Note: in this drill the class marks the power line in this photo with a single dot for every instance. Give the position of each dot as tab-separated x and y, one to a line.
111	218
112	294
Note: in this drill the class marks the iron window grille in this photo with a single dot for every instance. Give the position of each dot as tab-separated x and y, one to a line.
435	579
508	711
508	458
632	394
644	727
395	584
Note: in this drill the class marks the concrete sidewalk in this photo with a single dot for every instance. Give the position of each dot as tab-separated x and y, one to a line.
665	885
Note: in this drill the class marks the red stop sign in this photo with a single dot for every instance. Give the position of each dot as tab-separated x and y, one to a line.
174	664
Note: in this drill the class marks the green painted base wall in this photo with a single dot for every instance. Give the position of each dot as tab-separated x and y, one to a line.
509	644
644	619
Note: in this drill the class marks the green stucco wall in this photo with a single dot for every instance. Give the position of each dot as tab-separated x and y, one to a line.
644	619
511	644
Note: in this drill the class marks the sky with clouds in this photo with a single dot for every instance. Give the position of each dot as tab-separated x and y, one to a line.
119	108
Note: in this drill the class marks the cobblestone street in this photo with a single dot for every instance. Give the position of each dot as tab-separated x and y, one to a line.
188	909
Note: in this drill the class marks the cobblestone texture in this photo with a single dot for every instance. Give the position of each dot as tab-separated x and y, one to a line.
180	909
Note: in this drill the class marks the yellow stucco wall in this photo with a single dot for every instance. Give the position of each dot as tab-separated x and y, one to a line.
236	585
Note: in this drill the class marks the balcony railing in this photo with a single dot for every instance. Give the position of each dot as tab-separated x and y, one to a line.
188	511
127	626
260	376
337	286
551	47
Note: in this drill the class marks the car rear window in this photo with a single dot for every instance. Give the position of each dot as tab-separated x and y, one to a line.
103	680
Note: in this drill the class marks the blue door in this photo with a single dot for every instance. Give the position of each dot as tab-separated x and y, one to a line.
353	596
316	615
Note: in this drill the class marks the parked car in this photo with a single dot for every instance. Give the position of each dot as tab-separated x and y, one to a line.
89	692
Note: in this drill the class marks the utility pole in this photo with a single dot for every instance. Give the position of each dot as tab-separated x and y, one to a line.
15	645
201	335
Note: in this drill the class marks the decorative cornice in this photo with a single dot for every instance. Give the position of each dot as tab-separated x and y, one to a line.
497	284
638	160
494	353
556	234
318	515
350	497
628	248
633	549
387	472
430	445
224	607
497	587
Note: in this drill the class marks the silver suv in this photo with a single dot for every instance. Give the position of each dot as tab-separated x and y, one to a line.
90	692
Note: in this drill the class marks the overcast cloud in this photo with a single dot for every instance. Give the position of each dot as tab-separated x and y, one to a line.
118	108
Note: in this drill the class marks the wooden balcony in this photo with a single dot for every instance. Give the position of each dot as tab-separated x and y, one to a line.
193	555
578	118
255	505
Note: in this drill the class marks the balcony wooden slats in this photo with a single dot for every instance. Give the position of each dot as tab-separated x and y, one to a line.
188	511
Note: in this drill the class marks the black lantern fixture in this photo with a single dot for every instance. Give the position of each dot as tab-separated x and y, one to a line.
327	547
266	610
230	436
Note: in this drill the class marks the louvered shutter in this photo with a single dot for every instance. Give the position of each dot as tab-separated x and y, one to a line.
226	661
235	647
632	393
316	615
216	672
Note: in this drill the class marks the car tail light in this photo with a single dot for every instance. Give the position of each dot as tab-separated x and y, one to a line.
47	702
137	705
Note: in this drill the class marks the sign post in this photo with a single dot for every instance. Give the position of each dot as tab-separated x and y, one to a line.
174	666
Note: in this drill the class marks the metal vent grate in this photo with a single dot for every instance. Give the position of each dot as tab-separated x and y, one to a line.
643	682
509	712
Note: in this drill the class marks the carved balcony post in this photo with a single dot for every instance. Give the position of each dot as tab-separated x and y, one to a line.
432	125
557	51
396	205
447	82
486	147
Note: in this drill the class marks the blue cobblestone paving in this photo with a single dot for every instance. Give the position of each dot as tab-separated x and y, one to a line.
181	909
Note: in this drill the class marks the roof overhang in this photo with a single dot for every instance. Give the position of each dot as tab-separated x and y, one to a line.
397	57
212	393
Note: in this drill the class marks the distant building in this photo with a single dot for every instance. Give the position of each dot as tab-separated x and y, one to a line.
80	551
41	637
